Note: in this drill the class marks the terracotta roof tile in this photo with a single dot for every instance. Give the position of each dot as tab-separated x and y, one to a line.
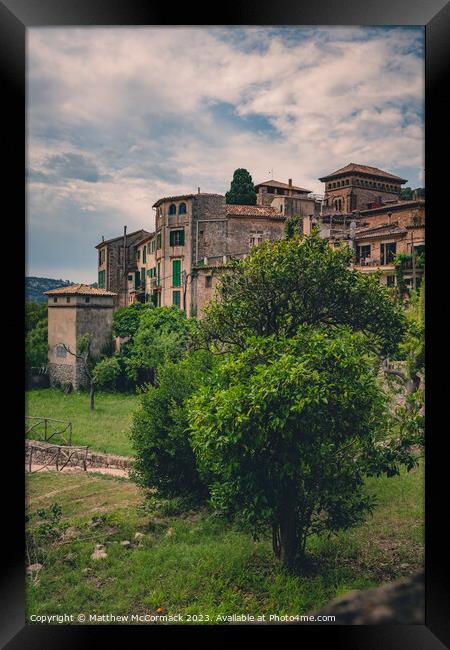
79	290
285	186
363	169
253	211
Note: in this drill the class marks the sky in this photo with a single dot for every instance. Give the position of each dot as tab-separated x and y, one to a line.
120	117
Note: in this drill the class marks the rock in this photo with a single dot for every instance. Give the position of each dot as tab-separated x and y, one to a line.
139	535
169	532
397	603
34	568
99	552
126	543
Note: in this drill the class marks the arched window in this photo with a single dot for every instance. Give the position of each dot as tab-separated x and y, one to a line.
172	208
182	208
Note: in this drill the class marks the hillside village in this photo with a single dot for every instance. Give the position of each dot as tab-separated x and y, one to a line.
195	234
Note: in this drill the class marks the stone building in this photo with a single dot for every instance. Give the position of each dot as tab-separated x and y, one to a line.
72	312
116	260
288	199
359	187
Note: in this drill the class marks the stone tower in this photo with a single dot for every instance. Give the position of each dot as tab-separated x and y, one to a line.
72	312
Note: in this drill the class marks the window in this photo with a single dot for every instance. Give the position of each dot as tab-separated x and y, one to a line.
87	299
148	247
153	245
55	299
388	252
130	278
159	272
176	238
182	209
138	255
176	298
362	252
143	277
67	299
144	255
390	280
176	273
208	281
61	351
137	279
158	241
172	209
101	279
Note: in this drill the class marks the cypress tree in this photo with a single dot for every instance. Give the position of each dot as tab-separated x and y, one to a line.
242	191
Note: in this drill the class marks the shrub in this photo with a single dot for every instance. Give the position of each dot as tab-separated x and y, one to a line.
164	457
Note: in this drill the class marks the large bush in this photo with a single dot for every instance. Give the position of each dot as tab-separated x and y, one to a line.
36	334
164	457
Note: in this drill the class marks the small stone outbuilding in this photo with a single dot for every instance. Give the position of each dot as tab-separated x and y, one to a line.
72	312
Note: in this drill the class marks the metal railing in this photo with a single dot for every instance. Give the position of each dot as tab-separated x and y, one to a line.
48	428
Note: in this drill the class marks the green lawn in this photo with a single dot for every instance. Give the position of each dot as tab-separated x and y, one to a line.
194	563
106	429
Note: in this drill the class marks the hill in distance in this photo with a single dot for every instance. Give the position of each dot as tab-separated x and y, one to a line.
35	287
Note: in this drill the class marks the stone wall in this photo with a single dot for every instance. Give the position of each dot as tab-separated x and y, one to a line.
61	373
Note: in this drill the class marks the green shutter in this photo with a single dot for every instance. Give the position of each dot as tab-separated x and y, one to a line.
171	237
159	272
101	279
137	280
144	255
181	237
176	273
176	298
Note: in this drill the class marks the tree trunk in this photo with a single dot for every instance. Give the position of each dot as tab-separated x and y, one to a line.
289	542
91	396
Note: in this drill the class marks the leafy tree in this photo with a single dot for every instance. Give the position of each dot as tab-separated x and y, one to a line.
162	334
126	319
108	371
293	226
406	194
242	191
36	346
284	284
286	430
164	458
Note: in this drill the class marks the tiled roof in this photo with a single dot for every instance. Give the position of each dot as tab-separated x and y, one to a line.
183	196
79	290
378	231
129	234
146	238
397	205
284	186
363	169
253	211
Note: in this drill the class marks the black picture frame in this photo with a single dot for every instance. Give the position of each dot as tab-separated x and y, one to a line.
18	15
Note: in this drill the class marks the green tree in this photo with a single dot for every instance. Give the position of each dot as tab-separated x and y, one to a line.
286	431
126	319
242	191
164	457
107	372
36	336
281	285
406	193
293	226
162	334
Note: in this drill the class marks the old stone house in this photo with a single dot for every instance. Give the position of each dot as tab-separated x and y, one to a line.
116	260
72	312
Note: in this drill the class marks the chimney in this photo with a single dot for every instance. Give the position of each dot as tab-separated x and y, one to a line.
198	190
290	182
103	238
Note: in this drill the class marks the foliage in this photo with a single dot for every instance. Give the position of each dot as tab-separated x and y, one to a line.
108	371
126	319
162	334
36	346
293	226
281	285
242	190
164	458
405	193
286	431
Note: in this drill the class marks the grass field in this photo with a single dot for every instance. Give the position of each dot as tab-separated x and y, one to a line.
106	429
194	563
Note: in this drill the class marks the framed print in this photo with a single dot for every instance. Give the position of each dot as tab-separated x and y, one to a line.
226	338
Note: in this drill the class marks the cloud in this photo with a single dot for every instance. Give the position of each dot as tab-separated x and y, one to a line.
118	117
